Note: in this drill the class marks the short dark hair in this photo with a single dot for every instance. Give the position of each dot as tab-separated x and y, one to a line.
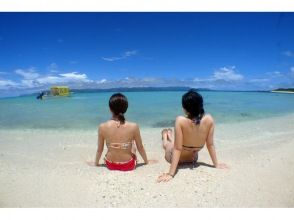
192	102
118	104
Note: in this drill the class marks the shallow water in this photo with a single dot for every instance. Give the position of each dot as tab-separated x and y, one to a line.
148	109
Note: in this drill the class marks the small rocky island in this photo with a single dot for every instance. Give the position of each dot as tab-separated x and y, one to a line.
281	90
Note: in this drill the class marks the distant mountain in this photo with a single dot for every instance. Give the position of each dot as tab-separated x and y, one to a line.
137	89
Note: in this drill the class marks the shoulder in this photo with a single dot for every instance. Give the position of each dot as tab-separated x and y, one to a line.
180	120
103	125
128	125
208	119
132	125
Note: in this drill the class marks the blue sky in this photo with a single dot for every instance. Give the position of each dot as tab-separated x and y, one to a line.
233	51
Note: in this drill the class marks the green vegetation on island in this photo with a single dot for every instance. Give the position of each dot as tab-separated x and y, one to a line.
282	90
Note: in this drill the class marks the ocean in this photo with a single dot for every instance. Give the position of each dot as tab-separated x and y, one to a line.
84	111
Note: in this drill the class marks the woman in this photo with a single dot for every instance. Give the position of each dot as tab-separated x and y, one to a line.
192	132
119	136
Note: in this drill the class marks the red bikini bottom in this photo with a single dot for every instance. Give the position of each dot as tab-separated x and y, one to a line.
122	166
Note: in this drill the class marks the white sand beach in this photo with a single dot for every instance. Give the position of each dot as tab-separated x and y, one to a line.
289	92
45	168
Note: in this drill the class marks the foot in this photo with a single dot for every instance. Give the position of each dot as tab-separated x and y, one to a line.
164	134
170	134
164	138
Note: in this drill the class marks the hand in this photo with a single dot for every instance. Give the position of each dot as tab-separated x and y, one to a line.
164	178
91	163
152	162
222	166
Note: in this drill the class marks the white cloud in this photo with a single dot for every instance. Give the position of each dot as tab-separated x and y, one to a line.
28	83
27	74
223	78
130	53
259	80
50	80
280	76
125	55
292	71
275	74
72	77
7	83
101	81
33	80
227	74
198	80
53	68
150	79
111	58
288	53
223	75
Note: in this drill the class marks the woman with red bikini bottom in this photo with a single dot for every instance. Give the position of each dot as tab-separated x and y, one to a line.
122	138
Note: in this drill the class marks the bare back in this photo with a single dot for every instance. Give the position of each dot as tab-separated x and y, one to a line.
194	136
112	133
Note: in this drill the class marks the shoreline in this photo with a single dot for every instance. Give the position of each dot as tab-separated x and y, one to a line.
88	130
41	168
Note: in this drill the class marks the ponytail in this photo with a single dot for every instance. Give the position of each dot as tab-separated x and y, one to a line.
198	118
121	118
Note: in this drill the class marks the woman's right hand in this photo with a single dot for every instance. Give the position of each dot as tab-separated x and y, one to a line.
165	177
152	162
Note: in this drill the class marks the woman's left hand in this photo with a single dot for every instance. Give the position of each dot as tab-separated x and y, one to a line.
222	166
91	163
164	178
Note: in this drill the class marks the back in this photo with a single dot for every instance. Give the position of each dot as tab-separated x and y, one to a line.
115	133
195	135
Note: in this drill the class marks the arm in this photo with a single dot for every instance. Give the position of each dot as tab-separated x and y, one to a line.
177	148
139	144
176	153
211	149
100	146
210	145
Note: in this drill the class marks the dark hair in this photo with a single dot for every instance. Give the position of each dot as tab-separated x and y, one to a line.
192	102
118	104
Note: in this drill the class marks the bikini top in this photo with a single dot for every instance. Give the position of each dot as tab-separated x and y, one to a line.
192	148
123	146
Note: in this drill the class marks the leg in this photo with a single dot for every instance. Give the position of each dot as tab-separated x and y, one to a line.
167	145
168	155
170	135
164	138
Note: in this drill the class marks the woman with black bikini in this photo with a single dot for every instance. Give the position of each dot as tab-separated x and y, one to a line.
192	132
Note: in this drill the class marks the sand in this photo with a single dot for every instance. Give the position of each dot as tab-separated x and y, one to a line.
46	168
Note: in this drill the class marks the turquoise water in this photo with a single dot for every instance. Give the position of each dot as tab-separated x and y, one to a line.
148	109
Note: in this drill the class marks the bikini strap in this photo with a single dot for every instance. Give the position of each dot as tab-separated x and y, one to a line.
121	145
